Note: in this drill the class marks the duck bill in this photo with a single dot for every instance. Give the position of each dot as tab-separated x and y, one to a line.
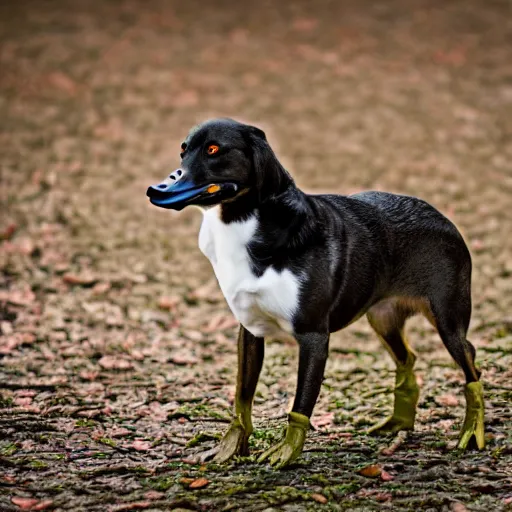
176	195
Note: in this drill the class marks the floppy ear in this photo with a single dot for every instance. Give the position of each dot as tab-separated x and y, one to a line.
270	176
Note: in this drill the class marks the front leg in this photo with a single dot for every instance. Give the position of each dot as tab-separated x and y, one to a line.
312	358
250	360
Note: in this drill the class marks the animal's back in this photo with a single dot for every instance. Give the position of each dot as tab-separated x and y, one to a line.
406	214
423	242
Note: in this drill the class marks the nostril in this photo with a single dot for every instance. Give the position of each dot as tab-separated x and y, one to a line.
172	177
162	186
179	172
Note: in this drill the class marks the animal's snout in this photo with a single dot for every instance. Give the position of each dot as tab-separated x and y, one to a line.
165	186
176	175
158	190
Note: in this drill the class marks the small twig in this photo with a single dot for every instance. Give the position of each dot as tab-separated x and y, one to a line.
212	420
375	392
41	387
393	447
119	470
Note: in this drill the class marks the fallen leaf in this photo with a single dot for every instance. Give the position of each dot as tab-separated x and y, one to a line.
186	481
158	413
371	471
457	506
28	337
194	335
9	343
154	495
101	288
6	327
199	483
137	505
89	413
383	496
208	292
337	435
141	446
183	357
79	279
319	498
28	445
62	81
89	374
24	503
137	355
8	231
324	420
42	505
385	476
25	246
18	297
447	400
168	303
477	244
47	353
114	363
119	432
21	401
220	323
61	267
445	424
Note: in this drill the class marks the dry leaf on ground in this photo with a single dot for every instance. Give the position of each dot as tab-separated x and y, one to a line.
199	483
319	498
114	363
447	400
371	471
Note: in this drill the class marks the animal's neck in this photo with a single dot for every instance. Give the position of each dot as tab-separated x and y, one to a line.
285	223
240	209
271	185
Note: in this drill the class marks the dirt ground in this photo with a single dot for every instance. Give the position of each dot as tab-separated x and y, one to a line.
118	352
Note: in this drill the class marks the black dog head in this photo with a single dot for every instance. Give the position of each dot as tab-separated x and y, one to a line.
222	160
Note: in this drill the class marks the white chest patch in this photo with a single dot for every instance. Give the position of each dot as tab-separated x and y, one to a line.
264	305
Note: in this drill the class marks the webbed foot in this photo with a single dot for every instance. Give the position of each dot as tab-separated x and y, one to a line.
290	448
473	429
392	425
234	442
407	393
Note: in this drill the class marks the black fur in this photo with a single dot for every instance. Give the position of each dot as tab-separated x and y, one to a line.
351	252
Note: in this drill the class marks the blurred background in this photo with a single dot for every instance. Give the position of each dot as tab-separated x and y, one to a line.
100	288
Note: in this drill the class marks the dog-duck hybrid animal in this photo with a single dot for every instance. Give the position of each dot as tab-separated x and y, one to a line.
291	264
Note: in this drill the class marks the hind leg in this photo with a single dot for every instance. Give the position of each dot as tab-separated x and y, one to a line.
387	319
452	322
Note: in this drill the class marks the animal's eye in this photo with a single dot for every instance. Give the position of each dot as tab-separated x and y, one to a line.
212	149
